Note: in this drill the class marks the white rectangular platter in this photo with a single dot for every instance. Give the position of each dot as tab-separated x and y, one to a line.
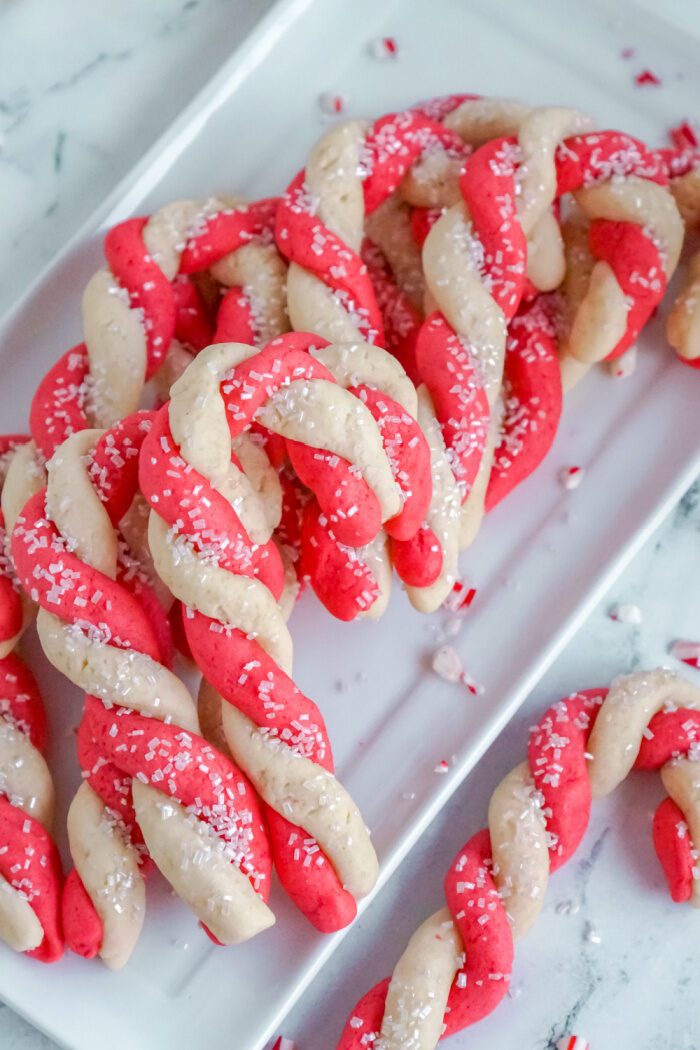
540	563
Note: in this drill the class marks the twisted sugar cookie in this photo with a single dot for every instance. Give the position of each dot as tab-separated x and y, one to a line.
456	967
683	322
149	776
320	228
203	550
30	867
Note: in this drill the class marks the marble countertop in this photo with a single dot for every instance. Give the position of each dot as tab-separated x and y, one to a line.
623	970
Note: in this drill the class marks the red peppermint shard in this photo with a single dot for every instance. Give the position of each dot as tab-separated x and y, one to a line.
475	688
686	651
384	47
330	103
461	597
647	77
284	1044
685	135
571	477
573	1042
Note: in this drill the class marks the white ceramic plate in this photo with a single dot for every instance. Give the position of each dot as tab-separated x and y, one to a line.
541	562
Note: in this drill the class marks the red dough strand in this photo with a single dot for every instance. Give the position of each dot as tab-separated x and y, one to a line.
29	860
532	398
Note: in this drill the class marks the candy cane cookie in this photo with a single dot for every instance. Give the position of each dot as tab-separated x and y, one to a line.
427	563
434	182
30	868
320	228
456	967
204	552
633	247
150	778
683	321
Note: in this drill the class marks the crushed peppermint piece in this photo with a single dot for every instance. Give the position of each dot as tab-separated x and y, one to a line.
627	52
452	627
571	477
687	651
447	664
460	597
384	47
330	103
625	612
646	77
686	135
592	935
441	767
284	1044
475	688
625	365
572	1042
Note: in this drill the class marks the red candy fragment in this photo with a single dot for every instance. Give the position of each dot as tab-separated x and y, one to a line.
685	135
384	47
331	103
647	77
460	597
688	652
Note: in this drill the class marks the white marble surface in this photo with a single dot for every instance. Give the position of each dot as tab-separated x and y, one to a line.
82	94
